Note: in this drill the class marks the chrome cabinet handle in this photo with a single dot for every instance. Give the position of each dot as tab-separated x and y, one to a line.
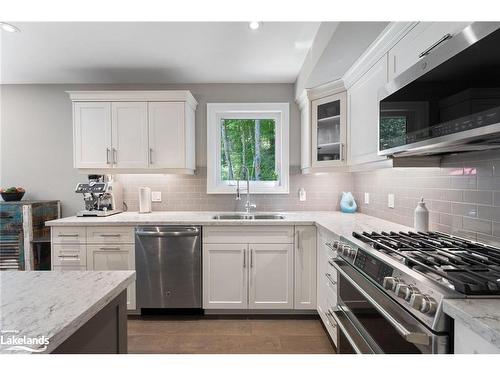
115	157
69	256
110	235
67	235
298	240
150	156
244	258
109	248
251	258
329	277
107	155
428	50
342	149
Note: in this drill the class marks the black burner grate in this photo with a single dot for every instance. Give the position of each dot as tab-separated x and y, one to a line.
470	267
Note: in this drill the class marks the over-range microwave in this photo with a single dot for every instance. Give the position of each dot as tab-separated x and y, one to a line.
449	101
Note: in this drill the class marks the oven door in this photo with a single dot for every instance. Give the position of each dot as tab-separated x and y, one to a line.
372	322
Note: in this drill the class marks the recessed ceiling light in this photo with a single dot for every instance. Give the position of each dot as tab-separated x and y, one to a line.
254	25
9	28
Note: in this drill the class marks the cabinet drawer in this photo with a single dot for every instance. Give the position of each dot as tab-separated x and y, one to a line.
68	235
248	234
69	255
110	235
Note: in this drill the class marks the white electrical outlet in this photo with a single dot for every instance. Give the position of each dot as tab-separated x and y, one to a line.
302	194
367	198
390	200
156	196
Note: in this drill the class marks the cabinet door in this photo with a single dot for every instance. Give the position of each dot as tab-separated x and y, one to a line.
271	276
364	113
225	276
425	34
92	135
305	267
129	135
167	139
329	131
113	258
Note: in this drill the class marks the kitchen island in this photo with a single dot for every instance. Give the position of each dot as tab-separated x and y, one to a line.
64	312
477	324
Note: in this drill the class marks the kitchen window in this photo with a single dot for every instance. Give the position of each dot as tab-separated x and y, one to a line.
247	138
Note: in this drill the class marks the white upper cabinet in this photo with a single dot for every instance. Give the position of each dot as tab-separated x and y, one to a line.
363	114
134	131
129	136
92	135
166	135
419	40
328	131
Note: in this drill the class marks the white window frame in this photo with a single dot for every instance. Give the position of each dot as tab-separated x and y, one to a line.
280	113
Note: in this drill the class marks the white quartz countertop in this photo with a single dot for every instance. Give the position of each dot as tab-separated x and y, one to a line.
480	315
337	222
53	304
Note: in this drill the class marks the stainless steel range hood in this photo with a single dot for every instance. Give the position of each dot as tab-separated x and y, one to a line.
448	74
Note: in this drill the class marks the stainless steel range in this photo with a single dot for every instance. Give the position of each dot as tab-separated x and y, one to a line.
391	287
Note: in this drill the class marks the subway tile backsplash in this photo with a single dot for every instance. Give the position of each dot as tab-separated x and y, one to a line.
463	196
188	193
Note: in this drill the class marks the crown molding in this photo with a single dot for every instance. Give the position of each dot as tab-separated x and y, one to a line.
134	96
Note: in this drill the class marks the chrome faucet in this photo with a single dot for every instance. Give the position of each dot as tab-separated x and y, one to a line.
248	205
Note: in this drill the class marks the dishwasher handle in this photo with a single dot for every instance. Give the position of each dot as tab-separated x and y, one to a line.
184	232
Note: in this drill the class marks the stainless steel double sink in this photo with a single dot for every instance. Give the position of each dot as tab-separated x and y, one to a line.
248	217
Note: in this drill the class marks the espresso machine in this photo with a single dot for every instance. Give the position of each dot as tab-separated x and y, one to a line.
102	196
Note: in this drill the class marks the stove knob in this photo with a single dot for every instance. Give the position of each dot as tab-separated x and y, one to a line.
390	282
402	290
429	305
416	301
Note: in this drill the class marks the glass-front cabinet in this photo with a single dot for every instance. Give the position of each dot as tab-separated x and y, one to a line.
328	117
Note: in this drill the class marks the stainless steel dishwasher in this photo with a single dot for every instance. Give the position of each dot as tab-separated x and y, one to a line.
168	266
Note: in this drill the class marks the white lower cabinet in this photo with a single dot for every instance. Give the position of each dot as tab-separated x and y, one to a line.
270	276
225	276
305	267
254	276
119	257
327	283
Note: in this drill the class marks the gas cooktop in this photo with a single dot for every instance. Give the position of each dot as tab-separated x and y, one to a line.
464	266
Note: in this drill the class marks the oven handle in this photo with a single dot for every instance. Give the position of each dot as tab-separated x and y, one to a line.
349	331
413	337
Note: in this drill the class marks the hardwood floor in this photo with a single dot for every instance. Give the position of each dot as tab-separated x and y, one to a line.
227	335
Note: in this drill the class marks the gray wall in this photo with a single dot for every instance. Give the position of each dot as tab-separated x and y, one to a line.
36	134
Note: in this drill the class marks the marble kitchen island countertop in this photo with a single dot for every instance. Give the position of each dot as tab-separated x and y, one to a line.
53	304
480	315
334	221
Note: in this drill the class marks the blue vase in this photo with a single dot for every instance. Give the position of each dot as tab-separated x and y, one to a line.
347	203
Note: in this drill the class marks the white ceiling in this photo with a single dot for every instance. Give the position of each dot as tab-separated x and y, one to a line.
162	52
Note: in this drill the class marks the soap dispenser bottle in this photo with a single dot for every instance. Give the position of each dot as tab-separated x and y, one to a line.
421	223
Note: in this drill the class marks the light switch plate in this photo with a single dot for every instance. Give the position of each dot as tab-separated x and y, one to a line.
156	196
367	198
390	200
